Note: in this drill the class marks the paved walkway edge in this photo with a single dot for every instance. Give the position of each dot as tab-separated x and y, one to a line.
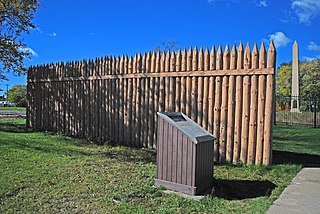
301	196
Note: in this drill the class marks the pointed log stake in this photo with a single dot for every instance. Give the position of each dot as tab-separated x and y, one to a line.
271	56
200	60
211	104
238	111
126	103
245	119
195	59
206	59
172	82
130	101
213	58
184	60
183	81
147	113
240	61
163	62
247	57
156	99
188	83
167	65
206	87
269	107
260	119
233	60
255	57
153	62
219	65
263	56
151	113
194	87
121	101
142	119
224	114
178	61
205	100
158	64
253	120
226	58
167	82
178	83
217	110
189	60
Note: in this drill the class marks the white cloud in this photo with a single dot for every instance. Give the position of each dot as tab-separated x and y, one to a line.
28	50
54	34
305	58
306	10
312	46
279	39
310	58
262	3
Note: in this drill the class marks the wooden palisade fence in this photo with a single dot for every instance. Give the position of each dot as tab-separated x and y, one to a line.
231	94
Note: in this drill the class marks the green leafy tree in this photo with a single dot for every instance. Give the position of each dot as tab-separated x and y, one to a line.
309	76
15	18
18	95
310	79
284	79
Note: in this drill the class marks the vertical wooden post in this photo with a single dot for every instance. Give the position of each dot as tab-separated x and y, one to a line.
131	101
217	106
188	84
238	111
121	101
194	91
183	81
246	107
156	103
178	83
224	107
171	95
162	84
261	106
231	106
205	99
253	108
269	107
167	82
212	66
151	125
125	101
200	88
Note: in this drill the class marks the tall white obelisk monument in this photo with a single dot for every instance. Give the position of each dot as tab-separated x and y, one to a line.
295	79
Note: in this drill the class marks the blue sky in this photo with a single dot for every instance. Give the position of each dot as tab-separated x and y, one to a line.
73	30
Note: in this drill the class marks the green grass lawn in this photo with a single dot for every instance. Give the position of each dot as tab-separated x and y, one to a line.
12	108
49	173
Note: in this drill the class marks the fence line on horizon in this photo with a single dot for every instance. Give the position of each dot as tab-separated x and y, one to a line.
229	93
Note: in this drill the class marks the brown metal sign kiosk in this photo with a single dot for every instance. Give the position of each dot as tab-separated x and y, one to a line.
184	154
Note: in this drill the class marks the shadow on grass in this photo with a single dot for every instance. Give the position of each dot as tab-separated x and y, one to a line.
242	189
14	128
283	157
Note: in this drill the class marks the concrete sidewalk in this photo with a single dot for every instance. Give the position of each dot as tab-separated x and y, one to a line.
301	196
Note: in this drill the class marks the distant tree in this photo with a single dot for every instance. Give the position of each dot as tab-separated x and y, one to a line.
18	95
167	46
310	79
283	79
15	19
309	76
